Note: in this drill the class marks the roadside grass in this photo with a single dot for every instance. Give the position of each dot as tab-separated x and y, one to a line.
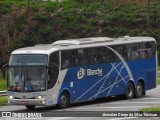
3	83
152	109
3	100
158	80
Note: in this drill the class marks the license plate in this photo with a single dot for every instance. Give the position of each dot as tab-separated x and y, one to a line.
24	102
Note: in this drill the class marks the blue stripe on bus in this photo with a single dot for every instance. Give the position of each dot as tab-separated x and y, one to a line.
102	80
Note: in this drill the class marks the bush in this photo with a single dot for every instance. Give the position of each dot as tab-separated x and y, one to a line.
45	31
41	17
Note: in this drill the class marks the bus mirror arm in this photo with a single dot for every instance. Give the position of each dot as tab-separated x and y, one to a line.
4	70
5	66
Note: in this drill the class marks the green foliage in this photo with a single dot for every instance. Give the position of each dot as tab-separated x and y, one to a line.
51	6
45	31
41	17
3	83
3	100
158	80
135	32
49	21
158	68
4	10
152	109
21	21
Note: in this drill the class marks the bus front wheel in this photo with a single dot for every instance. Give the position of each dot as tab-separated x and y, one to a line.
30	107
139	90
64	100
129	91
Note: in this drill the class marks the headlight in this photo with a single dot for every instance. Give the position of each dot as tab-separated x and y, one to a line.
11	97
39	97
44	102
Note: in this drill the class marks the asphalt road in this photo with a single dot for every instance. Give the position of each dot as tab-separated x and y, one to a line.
93	108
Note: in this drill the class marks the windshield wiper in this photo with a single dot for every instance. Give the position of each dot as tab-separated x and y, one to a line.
27	79
19	79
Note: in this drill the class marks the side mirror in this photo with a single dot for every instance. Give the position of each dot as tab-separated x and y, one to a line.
5	66
4	70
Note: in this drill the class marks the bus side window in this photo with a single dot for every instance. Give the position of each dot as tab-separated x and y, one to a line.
133	51
151	49
53	69
54	60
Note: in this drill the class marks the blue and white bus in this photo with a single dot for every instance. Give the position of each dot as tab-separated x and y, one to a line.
76	70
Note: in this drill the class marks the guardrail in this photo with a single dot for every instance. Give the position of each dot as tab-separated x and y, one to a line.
3	93
158	73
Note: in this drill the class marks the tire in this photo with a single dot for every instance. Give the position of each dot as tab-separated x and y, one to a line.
129	91
139	90
64	100
30	107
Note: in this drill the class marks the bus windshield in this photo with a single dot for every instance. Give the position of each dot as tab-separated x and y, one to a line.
23	60
27	78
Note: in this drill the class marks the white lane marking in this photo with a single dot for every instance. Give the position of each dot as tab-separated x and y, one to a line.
60	118
153	102
43	118
156	98
122	118
121	107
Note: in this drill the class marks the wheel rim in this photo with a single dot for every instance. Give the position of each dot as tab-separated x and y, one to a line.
139	89
130	91
63	101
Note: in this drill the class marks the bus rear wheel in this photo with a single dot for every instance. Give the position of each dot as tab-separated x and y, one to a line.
129	91
30	107
139	90
64	100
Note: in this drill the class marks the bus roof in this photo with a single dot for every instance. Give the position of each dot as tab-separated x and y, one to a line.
80	43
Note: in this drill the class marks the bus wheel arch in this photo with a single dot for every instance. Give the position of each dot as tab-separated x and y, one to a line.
64	99
130	88
140	88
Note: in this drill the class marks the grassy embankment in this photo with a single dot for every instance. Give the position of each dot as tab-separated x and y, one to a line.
3	86
49	21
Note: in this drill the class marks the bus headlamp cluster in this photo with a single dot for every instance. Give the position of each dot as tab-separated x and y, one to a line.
11	97
39	97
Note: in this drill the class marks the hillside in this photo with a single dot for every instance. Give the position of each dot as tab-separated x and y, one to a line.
46	22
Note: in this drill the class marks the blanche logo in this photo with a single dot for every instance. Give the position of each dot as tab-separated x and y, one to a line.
89	72
81	73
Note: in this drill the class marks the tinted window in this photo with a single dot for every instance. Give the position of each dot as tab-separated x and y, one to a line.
141	50
54	59
100	55
28	60
122	50
53	70
87	56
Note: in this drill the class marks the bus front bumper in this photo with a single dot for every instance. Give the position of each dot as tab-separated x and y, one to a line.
39	102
